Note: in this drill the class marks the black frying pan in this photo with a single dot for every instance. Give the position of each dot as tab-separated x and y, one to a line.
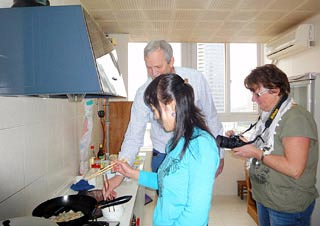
85	204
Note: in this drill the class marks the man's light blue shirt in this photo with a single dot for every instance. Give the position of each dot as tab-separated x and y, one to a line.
141	114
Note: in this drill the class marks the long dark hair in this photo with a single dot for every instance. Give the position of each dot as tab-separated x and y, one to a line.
171	87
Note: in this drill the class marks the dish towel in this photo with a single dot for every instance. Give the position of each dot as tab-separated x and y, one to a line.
81	185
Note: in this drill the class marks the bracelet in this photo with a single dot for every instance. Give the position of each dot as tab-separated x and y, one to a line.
262	156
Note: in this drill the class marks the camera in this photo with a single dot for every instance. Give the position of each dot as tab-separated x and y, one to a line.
233	141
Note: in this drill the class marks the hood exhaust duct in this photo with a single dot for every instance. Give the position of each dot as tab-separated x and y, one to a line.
24	3
56	52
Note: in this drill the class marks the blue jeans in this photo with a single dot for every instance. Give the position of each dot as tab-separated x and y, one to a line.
270	217
157	159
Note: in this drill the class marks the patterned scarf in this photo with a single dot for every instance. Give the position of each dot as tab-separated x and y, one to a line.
267	141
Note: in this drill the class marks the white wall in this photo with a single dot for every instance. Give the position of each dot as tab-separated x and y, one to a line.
39	150
307	61
234	169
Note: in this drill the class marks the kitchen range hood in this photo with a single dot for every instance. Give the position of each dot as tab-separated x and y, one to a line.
57	52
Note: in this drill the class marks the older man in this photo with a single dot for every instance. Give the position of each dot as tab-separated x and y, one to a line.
158	56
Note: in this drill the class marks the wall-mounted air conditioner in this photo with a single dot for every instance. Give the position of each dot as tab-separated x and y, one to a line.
296	40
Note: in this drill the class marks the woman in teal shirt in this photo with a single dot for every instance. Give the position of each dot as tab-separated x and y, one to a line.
185	178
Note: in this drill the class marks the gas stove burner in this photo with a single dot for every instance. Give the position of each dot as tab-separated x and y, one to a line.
102	223
97	223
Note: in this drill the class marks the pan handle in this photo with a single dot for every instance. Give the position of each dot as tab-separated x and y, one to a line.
114	202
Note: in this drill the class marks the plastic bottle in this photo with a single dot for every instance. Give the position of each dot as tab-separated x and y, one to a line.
85	138
91	155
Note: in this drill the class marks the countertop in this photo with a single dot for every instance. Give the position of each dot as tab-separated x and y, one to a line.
127	187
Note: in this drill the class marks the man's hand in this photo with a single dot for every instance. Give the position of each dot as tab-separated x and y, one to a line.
108	189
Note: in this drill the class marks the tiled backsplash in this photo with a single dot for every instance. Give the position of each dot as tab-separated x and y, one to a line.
39	149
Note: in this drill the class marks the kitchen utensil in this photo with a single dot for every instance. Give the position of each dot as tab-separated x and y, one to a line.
85	204
105	182
110	205
103	170
114	213
114	202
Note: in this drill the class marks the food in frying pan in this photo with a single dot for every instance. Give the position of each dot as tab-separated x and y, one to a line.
66	216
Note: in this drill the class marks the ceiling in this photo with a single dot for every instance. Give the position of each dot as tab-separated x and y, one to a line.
200	20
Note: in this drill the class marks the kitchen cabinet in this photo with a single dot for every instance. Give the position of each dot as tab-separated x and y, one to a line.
251	203
119	116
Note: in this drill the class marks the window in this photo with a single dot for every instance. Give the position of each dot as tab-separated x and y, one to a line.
137	73
211	62
225	66
243	58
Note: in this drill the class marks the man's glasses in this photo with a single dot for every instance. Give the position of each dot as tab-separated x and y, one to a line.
257	95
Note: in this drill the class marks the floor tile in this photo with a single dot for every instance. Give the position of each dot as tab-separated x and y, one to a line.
225	211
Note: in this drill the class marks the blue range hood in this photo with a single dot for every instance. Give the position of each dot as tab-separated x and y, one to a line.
56	51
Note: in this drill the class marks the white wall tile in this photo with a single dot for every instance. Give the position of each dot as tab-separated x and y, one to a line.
14	206
36	159
11	114
11	162
35	194
39	151
6	3
35	110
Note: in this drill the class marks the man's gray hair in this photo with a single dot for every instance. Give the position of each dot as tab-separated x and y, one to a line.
159	44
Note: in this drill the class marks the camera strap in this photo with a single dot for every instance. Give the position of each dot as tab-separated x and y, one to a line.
269	121
274	112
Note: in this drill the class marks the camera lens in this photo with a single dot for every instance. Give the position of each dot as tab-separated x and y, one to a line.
229	142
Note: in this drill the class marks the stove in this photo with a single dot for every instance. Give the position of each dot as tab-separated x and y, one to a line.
102	223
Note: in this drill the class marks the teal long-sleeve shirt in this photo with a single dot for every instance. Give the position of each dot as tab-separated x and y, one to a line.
185	185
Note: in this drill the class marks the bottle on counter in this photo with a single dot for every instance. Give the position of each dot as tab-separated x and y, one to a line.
133	220
91	156
100	152
94	160
101	156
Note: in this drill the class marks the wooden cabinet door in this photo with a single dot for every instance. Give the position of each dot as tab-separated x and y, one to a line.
251	203
119	116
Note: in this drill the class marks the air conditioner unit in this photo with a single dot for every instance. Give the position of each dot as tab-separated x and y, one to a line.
291	42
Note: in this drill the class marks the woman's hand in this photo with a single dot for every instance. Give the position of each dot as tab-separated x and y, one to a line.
248	151
125	169
229	133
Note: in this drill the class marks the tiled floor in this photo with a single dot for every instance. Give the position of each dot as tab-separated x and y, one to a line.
225	211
